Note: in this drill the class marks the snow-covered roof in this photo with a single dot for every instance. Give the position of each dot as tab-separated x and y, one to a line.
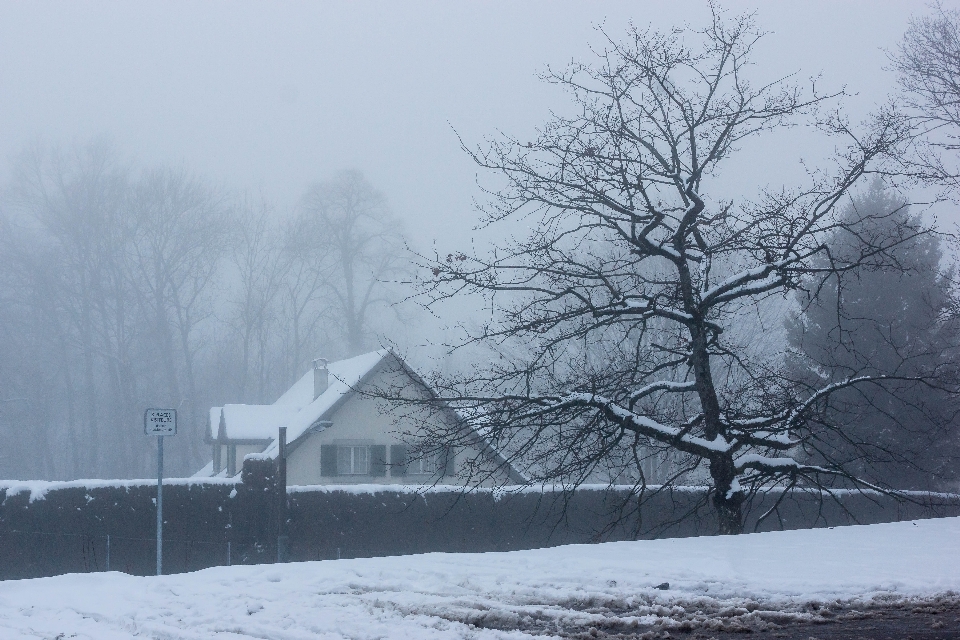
344	376
255	421
296	409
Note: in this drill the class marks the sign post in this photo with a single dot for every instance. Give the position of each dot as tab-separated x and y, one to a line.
160	423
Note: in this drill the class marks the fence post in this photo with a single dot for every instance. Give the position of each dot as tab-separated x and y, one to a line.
229	563
108	552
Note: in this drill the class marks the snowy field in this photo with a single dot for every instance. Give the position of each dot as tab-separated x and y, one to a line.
718	582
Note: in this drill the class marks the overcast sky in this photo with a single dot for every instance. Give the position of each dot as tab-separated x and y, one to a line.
273	96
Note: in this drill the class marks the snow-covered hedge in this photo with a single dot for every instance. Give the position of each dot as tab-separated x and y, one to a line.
51	528
48	528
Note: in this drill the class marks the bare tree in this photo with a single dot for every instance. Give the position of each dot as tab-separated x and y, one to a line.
257	256
928	64
360	245
178	236
108	282
305	316
611	327
65	238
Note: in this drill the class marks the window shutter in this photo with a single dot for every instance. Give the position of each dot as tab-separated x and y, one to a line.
328	460
449	462
378	460
398	460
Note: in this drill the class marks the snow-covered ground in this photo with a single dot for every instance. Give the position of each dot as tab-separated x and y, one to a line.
752	579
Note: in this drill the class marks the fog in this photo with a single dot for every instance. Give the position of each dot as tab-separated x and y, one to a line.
275	100
254	104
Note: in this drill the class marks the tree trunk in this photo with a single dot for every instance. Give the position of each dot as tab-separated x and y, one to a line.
167	355
92	441
727	498
353	322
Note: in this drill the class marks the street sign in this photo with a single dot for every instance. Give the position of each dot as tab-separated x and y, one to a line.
160	422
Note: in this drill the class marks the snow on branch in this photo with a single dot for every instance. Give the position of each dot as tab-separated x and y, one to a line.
662	385
646	426
755	280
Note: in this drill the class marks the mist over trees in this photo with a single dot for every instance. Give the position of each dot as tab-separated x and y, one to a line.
360	247
124	287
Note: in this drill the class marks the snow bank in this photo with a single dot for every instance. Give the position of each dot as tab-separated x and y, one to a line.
763	578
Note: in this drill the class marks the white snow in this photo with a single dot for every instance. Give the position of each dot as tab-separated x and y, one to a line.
739	280
256	421
719	444
439	595
205	472
348	371
213	423
38	489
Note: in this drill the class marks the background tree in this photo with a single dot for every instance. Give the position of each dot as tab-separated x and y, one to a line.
928	64
108	280
65	266
611	326
260	269
179	228
348	228
307	317
122	288
884	320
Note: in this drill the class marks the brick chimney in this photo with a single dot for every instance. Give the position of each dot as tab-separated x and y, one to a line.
321	377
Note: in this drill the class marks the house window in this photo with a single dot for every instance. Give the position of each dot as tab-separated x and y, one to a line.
353	460
425	465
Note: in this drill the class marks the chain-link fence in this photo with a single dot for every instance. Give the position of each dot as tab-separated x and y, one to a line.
30	554
33	554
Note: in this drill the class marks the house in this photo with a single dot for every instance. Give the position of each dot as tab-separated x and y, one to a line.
339	431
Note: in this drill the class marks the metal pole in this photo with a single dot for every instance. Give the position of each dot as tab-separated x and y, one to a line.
282	539
108	552
159	505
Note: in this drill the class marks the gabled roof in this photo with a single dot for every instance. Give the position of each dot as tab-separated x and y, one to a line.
344	377
300	413
296	409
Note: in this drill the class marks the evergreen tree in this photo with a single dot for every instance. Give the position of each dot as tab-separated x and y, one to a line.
883	320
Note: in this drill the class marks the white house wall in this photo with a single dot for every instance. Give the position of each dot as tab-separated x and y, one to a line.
369	420
361	420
